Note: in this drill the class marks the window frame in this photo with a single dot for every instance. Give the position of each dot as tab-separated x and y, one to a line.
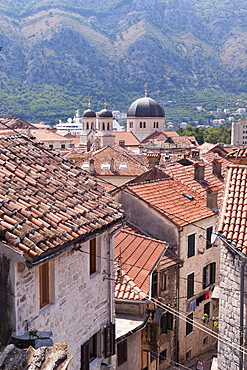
190	285
209	233
189	324
44	285
122	352
191	245
92	256
208	275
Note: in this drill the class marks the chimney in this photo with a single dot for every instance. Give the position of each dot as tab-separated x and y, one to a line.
217	164
122	143
195	154
97	144
153	159
212	198
112	165
91	165
199	169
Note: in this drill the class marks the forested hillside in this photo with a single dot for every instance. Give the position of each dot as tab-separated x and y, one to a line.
58	53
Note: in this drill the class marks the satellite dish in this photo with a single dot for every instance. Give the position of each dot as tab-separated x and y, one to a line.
213	237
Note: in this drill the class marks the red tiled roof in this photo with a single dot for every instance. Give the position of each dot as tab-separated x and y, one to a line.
233	217
125	164
46	202
136	256
185	174
238	156
168	197
129	138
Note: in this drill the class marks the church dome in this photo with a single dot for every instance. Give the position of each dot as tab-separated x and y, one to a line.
145	107
89	113
105	113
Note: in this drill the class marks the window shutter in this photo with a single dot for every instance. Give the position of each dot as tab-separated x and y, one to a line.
212	272
190	285
204	277
164	323
85	356
169	321
109	336
191	245
154	288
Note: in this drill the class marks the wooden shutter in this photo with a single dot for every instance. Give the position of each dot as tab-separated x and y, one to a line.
191	245
163	323
169	321
190	285
212	272
85	356
109	338
122	352
204	277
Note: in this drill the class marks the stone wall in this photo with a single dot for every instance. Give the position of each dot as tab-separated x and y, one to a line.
79	303
230	266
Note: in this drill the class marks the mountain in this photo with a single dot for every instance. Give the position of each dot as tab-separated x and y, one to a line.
111	48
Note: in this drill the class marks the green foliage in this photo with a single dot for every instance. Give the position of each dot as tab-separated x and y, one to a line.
213	135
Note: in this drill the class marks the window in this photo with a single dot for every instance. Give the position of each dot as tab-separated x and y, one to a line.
163	278
189	323
207	309
155	284
62	146
89	351
92	256
44	285
109	339
191	245
144	124
166	322
93	347
209	275
51	146
163	356
122	352
140	124
190	285
205	341
209	236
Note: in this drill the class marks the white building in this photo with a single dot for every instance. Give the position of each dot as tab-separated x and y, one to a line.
144	117
239	132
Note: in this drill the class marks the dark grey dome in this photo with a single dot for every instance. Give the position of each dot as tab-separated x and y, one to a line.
105	113
145	107
89	113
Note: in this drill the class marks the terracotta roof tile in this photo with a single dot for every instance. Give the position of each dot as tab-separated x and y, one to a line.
233	216
168	196
123	162
136	256
46	201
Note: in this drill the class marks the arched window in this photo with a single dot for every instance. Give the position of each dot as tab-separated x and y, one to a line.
140	124
87	125
103	126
